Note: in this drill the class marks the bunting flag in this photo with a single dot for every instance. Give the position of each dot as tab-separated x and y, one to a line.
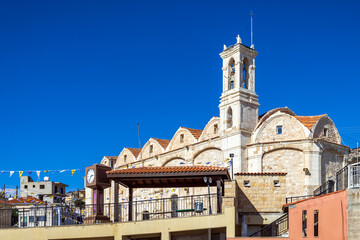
73	171
20	173
46	171
62	171
11	173
29	172
182	163
207	163
2	172
38	173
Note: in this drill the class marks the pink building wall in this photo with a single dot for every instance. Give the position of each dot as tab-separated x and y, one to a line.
332	217
332	209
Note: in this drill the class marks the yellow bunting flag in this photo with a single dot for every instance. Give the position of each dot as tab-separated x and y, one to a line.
46	171
73	171
20	173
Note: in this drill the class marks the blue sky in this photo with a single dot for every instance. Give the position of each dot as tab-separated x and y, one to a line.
77	76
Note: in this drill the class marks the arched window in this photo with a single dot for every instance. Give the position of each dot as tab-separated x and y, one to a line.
229	121
174	205
231	83
245	74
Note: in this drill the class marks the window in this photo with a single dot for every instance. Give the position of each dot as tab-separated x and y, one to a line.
245	74
151	149
112	163
229	122
325	133
42	186
216	129
246	183
33	186
41	197
181	138
25	186
304	223
279	130
56	189
62	190
276	183
316	223
125	157
231	83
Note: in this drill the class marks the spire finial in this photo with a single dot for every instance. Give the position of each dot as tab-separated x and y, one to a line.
238	39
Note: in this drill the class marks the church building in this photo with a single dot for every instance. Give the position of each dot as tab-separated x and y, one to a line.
297	153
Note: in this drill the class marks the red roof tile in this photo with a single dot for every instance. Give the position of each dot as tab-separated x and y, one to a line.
134	151
169	169
25	200
195	132
4	202
163	142
261	173
309	121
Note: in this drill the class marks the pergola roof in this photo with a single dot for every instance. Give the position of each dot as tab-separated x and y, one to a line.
168	176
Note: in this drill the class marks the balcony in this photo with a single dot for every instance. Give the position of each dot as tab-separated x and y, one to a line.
144	210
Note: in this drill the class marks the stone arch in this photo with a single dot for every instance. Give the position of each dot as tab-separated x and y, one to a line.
231	74
332	134
245	73
213	155
292	129
229	118
211	130
180	159
175	142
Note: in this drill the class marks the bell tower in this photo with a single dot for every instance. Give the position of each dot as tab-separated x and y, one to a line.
238	102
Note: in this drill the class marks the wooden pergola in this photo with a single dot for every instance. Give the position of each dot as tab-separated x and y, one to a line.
167	177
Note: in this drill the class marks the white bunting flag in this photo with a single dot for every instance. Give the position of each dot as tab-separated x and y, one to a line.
38	173
11	173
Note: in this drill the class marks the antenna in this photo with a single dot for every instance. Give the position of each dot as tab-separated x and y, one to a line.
139	135
252	37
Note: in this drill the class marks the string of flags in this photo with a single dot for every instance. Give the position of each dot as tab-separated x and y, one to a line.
38	172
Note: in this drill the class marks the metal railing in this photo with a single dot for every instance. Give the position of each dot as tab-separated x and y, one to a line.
298	198
342	179
277	228
327	187
151	209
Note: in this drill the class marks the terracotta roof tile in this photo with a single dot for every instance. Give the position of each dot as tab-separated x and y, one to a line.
163	142
25	200
134	151
195	132
169	169
261	173
309	121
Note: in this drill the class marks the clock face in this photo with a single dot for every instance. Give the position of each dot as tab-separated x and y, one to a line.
90	176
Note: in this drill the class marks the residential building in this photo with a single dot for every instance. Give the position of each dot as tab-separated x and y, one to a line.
46	190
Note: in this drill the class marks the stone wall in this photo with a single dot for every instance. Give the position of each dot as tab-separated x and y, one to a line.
176	143
353	213
290	161
332	133
261	194
291	129
331	162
